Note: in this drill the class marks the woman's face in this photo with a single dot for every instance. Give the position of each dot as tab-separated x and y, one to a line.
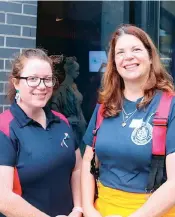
132	59
34	97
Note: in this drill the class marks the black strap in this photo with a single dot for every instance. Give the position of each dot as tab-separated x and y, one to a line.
160	121
94	170
155	179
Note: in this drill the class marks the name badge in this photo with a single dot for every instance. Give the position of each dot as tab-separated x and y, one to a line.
136	123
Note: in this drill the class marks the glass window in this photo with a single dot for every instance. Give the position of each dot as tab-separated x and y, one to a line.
167	35
80	31
157	18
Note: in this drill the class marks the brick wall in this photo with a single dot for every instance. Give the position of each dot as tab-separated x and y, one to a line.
17	31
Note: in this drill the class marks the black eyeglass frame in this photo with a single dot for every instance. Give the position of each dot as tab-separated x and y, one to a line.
41	79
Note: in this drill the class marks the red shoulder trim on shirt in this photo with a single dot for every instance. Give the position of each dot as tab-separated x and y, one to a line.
61	116
5	118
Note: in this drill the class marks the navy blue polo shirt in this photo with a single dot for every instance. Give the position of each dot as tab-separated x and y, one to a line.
44	158
125	152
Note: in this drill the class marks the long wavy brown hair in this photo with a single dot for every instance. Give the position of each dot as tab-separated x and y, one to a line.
111	92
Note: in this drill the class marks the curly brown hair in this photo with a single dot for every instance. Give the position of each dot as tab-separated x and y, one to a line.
111	92
18	65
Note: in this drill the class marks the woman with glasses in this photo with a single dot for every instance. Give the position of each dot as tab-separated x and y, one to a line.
37	146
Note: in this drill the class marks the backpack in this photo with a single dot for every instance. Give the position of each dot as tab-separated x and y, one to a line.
160	122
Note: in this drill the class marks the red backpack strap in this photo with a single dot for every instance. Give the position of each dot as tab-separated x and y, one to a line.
99	120
160	123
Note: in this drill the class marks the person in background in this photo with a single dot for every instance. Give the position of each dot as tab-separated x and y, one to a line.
39	144
131	90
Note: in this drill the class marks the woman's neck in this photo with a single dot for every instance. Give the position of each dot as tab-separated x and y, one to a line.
33	113
133	92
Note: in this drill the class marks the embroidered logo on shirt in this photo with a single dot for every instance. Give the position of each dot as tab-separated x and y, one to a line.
143	134
66	137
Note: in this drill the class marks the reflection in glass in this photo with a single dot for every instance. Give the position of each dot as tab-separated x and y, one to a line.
167	35
67	99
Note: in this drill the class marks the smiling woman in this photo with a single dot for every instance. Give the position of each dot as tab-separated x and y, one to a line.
33	92
28	63
132	59
132	86
38	144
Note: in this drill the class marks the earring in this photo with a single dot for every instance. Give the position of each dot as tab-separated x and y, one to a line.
17	96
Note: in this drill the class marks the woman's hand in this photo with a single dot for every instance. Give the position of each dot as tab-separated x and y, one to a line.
75	214
72	214
93	213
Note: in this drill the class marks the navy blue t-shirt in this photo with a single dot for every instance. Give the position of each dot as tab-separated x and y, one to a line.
44	158
125	152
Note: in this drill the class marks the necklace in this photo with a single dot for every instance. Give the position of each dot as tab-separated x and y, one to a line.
126	116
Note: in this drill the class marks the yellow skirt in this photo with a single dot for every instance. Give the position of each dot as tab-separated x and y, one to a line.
115	202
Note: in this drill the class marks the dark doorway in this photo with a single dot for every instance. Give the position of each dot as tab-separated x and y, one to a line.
81	29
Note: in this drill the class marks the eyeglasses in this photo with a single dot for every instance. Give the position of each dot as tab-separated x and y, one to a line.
34	81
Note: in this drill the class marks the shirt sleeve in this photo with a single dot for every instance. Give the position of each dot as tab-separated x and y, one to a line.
170	138
7	151
88	137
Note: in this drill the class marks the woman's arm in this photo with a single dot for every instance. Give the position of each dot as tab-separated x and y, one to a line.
11	204
76	185
164	197
88	185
